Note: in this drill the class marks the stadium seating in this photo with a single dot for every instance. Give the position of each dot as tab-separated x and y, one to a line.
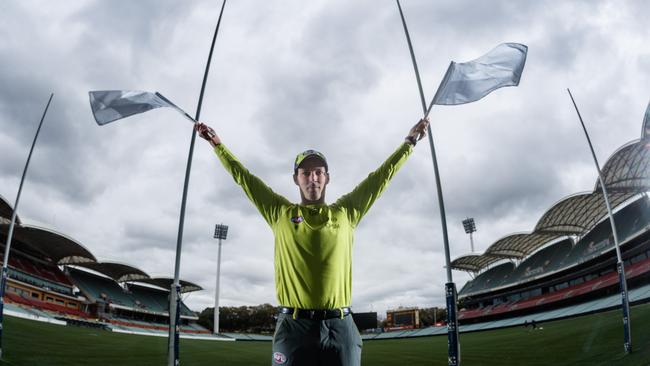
494	277
136	325
609	302
150	299
43	305
608	280
43	270
39	282
100	289
38	274
629	221
541	263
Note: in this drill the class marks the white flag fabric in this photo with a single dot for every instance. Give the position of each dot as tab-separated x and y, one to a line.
470	81
111	105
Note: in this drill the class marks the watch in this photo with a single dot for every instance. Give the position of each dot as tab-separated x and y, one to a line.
209	133
412	140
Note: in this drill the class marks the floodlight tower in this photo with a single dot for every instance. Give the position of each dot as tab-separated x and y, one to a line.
220	232
470	227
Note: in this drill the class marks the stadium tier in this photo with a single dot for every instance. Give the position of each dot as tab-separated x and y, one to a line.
45	305
151	299
130	300
491	278
561	273
154	299
85	289
544	261
100	289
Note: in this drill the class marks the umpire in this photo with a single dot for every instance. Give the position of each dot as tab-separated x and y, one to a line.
313	252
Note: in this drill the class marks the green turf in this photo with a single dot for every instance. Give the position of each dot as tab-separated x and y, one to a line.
590	340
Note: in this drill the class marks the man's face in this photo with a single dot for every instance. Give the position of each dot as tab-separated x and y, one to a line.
312	178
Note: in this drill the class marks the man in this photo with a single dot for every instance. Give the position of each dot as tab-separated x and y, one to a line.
313	252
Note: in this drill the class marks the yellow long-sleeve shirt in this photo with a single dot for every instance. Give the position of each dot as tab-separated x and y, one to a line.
313	243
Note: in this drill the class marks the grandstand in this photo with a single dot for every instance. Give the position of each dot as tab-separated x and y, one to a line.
563	273
54	278
568	260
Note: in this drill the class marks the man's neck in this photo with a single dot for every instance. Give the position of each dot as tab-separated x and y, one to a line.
304	201
317	202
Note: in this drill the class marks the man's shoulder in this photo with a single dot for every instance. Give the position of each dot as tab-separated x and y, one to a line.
339	205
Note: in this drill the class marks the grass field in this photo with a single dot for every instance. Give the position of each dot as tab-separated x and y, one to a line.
589	340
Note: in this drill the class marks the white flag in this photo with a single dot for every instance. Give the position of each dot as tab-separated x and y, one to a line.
111	105
470	81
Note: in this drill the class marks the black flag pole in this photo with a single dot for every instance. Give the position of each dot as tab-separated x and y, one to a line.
5	264
627	345
175	298
450	288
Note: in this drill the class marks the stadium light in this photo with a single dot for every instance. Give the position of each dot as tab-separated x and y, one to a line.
220	232
470	227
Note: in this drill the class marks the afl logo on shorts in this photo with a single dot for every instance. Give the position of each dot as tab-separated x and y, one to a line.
279	358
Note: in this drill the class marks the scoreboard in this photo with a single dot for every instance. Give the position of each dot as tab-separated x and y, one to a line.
403	318
365	321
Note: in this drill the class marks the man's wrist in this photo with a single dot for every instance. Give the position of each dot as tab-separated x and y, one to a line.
411	140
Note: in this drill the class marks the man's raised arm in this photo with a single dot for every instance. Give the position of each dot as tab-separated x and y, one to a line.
359	201
263	197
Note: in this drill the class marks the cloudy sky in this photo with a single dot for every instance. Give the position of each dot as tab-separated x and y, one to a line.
289	75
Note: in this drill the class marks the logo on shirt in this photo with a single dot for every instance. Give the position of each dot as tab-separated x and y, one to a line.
279	358
297	219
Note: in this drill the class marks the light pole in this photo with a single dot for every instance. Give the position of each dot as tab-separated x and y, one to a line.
470	227
220	232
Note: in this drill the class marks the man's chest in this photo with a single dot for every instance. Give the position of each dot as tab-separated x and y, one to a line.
322	226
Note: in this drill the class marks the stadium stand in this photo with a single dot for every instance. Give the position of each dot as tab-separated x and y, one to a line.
551	274
634	219
638	295
39	289
149	298
542	262
130	301
493	277
100	289
560	275
43	305
609	280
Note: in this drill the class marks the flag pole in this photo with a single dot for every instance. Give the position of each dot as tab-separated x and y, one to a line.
175	294
5	264
453	341
627	345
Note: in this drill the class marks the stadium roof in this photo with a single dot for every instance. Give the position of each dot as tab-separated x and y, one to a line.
573	215
58	247
520	245
117	271
628	168
473	262
626	174
6	211
166	283
580	212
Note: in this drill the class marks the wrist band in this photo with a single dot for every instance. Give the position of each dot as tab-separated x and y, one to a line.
210	134
412	140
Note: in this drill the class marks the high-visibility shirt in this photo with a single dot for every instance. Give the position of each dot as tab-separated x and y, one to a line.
313	243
